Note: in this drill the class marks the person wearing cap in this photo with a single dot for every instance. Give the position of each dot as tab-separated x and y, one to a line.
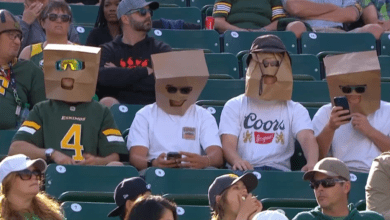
230	197
21	82
153	208
258	128
126	193
331	183
378	186
20	197
125	68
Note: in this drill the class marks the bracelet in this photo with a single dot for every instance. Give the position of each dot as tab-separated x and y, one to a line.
209	160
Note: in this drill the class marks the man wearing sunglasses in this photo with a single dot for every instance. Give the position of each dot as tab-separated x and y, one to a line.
330	181
361	133
125	67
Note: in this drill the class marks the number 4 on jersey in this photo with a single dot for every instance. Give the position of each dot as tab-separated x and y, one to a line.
75	133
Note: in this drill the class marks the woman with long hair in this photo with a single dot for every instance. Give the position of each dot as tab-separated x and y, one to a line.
107	25
20	197
153	208
55	19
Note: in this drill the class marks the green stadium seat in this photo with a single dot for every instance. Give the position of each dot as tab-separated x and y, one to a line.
179	3
188	14
73	178
222	64
290	212
201	3
384	61
385	44
124	114
385	91
84	15
83	33
358	184
192	212
236	41
314	43
5	141
222	89
189	39
88	210
16	8
215	111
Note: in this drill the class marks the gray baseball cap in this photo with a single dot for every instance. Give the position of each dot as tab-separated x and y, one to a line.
330	166
128	5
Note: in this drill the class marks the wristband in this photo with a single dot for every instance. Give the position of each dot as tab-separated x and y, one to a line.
150	162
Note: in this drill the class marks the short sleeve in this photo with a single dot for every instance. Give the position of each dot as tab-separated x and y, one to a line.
321	118
277	10
31	130
110	138
222	8
209	130
347	3
300	119
139	131
230	118
365	3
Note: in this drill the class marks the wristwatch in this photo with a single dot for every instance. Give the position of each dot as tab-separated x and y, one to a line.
48	153
150	162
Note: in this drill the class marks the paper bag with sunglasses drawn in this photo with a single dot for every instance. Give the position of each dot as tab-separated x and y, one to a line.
70	72
180	78
356	76
258	87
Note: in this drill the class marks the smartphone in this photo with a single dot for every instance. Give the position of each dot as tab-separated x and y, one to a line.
342	102
173	155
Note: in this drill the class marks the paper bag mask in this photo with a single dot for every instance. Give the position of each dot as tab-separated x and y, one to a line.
64	63
357	74
256	72
180	78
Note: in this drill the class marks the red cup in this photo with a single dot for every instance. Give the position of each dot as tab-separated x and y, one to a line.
209	23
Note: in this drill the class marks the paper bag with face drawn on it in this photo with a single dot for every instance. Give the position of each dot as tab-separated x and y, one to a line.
180	78
280	90
62	62
355	70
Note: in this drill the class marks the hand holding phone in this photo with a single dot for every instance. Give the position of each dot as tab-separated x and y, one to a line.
342	101
173	155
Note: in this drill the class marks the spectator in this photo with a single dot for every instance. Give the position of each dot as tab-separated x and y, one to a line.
358	141
378	186
55	20
329	16
20	197
376	12
258	128
153	208
331	184
230	197
125	195
21	81
83	2
32	29
253	16
107	25
70	128
125	69
174	123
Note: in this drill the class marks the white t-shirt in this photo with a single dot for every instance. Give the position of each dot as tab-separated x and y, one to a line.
351	146
162	133
265	129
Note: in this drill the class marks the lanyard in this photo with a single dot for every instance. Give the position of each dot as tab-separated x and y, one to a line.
15	92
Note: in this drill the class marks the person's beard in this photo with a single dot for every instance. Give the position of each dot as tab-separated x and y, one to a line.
142	26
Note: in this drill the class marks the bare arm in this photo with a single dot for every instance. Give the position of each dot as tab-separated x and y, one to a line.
139	159
215	156
343	15
273	26
25	54
221	25
370	15
305	8
30	150
229	148
310	148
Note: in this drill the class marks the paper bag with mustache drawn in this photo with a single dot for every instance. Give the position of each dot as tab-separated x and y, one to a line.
280	90
79	64
355	73
180	78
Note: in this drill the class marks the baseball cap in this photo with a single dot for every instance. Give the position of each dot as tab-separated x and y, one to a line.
330	166
128	5
267	44
8	22
269	215
128	189
19	162
225	181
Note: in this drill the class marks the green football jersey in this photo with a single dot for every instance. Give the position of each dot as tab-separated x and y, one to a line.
73	129
30	87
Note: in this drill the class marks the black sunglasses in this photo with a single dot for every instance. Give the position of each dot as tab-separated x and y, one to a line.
183	90
142	11
27	174
326	183
64	18
358	89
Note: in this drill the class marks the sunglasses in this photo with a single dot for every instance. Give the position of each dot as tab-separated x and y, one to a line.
349	89
73	64
64	18
326	183
27	174
142	11
183	90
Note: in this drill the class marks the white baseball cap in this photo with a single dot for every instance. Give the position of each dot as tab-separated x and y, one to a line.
269	215
19	162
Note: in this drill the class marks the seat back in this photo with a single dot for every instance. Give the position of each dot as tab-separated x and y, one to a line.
193	212
222	64
83	32
88	210
215	111
188	14
16	8
124	114
5	141
84	15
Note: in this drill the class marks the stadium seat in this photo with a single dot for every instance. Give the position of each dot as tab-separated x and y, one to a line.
189	39
385	44
314	43
188	14
83	32
16	8
384	61
236	41
385	91
179	3
192	212
5	141
84	15
222	64
73	178
88	210
358	184
124	114
215	111
222	89
200	3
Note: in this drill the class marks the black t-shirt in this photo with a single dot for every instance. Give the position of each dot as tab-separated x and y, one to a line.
99	36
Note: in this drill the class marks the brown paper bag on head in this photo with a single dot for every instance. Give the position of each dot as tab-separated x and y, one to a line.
179	69
352	69
85	80
280	90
